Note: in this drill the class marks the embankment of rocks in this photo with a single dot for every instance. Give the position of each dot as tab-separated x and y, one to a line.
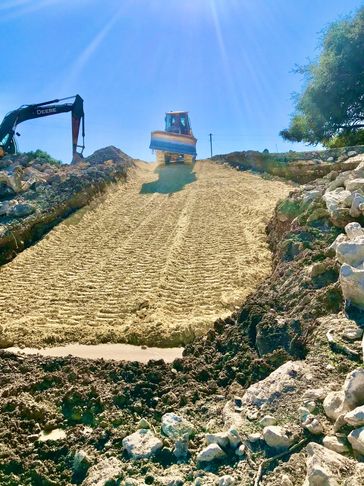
301	167
35	195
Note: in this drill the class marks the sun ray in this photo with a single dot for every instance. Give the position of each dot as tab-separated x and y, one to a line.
85	56
225	58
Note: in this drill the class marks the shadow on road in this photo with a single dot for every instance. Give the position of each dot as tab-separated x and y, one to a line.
172	178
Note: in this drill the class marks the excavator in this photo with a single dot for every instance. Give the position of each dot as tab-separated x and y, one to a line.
176	143
39	110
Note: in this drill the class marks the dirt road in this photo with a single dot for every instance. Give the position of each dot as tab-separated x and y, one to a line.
143	268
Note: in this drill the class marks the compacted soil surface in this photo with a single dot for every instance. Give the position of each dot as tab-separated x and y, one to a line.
143	268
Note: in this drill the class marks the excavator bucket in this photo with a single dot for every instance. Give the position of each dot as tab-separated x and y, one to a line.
78	115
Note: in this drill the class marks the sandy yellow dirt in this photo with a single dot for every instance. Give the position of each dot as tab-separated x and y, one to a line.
143	268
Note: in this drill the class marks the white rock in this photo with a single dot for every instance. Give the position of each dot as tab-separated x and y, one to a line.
103	472
220	438
353	334
254	437
341	238
351	395
252	415
315	394
337	198
351	252
356	439
339	423
310	405
355	210
313	425
354	388
336	444
354	184
334	404
276	437
354	230
267	420
176	427
316	269
323	466
142	444
230	417
330	159
52	435
359	170
170	481
285	481
352	284
226	481
210	453
276	384
339	181
303	414
355	417
352	153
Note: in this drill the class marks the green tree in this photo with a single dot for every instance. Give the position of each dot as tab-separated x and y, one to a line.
330	109
42	156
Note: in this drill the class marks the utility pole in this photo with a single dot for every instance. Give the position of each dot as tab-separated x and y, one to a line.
210	143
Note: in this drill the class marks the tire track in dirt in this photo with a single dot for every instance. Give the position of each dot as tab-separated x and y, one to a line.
143	268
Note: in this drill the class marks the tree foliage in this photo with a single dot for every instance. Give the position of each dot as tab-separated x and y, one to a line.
42	156
330	110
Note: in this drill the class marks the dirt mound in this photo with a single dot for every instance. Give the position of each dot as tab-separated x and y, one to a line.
144	268
109	153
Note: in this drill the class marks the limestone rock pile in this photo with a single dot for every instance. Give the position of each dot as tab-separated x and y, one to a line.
301	167
349	250
344	196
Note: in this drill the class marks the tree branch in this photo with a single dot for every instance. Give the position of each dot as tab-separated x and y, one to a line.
266	463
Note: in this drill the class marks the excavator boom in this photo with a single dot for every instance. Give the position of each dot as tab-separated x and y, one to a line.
39	110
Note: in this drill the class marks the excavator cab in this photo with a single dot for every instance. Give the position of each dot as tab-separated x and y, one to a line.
10	143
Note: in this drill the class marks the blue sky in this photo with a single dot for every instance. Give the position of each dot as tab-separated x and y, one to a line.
229	62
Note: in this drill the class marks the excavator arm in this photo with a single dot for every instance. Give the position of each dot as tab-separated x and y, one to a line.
48	108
